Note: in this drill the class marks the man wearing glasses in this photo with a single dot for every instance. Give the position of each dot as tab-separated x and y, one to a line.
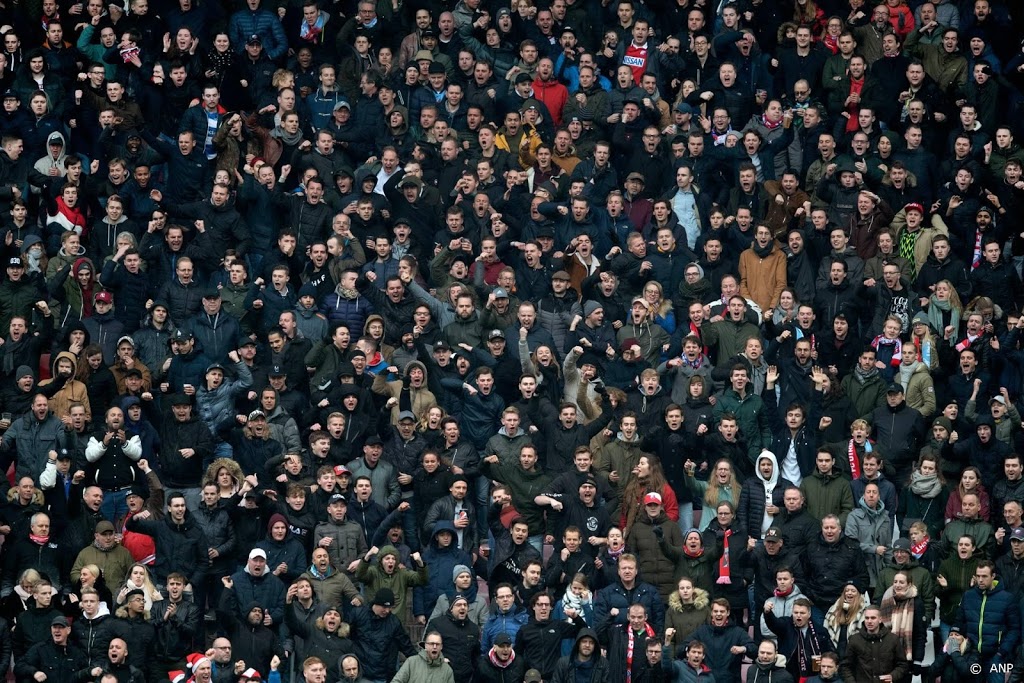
428	666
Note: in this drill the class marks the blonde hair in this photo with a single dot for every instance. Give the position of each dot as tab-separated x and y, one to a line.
711	496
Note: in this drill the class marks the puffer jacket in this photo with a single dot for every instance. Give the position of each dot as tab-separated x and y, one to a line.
619	597
93	636
152	345
353	311
174	636
442	562
655	565
555	314
754	494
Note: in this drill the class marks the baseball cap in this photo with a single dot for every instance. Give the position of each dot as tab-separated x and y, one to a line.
340	470
1017	534
773	534
373	440
212	293
214	366
901	544
15	262
894	388
998	399
277	371
104	526
257	552
406	415
181	335
254	40
442	345
500	293
60	621
256	415
180	399
636	176
532	676
105	297
913	206
495	334
652	498
503	639
337	498
523	78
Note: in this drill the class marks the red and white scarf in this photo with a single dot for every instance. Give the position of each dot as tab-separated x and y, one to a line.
724	573
630	642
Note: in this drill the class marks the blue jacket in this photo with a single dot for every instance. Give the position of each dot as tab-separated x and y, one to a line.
991	620
267	590
217	408
442	562
480	417
502	622
616	595
260	23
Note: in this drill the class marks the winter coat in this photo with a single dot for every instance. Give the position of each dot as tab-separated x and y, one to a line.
646	539
180	548
177	471
618	596
32	440
869	656
828	494
718	640
461	643
409	398
754	495
687	618
828	566
378	641
374	578
418	669
871	528
442	562
566	667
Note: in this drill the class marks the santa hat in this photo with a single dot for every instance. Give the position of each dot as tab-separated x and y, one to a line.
176	676
196	660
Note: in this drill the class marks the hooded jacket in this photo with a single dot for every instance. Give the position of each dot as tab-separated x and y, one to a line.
374	577
570	668
755	493
418	400
869	656
442	562
419	669
871	528
71	390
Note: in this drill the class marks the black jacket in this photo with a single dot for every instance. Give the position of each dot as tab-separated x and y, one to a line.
828	566
179	547
535	639
174	635
177	471
462	643
566	668
60	664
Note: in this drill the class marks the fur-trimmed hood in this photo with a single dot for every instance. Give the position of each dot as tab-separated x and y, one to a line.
701	600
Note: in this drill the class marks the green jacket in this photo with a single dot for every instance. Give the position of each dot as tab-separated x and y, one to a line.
828	495
921	577
729	336
750	417
524	487
420	670
864	397
374	578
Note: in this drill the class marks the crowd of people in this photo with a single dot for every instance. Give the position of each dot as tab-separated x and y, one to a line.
561	342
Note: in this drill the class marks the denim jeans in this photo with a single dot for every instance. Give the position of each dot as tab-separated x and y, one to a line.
114	506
